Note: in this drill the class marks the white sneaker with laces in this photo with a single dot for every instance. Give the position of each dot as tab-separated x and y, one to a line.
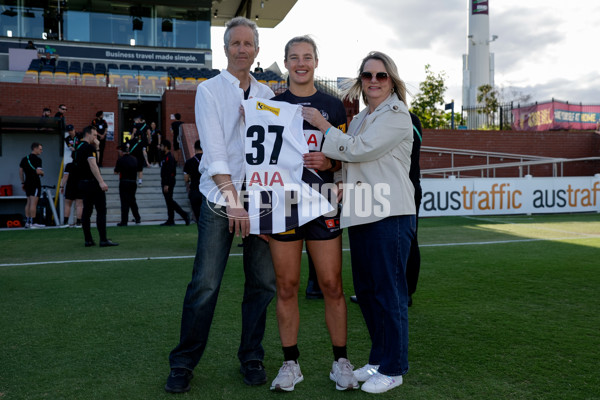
341	373
289	374
380	383
364	373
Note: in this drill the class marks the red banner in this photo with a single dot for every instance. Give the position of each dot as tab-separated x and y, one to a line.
556	115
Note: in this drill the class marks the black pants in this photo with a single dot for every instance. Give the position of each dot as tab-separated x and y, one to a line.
93	196
413	265
172	205
127	189
101	150
196	201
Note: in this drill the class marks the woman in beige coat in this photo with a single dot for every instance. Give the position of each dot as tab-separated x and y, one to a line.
379	210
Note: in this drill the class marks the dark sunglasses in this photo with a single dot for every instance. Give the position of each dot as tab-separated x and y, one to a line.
63	109
380	76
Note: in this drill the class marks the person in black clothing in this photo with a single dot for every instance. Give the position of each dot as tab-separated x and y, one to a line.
92	187
60	114
192	179
46	112
100	124
168	170
138	144
413	265
154	138
30	170
175	130
69	187
127	168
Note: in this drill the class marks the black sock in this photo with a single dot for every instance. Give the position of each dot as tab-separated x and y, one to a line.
291	353
340	352
66	220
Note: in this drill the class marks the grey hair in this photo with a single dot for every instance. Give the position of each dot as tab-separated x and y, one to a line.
301	39
399	87
240	21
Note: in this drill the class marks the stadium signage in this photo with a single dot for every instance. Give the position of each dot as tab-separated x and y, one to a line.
116	53
556	115
479	7
492	196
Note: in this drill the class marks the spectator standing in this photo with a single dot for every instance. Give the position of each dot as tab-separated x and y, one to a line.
60	114
175	128
138	145
168	171
69	188
46	112
30	170
100	124
127	169
155	139
219	124
71	141
191	176
92	187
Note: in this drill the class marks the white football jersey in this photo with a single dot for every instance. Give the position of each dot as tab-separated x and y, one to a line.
280	193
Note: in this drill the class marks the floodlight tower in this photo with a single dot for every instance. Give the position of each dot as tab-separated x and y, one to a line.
478	63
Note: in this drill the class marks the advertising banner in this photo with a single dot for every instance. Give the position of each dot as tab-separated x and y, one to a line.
479	7
118	54
556	115
109	117
496	196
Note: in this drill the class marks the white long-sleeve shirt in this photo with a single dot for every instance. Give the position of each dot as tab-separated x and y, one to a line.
220	127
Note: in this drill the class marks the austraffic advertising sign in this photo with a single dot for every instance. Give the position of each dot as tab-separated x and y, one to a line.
494	196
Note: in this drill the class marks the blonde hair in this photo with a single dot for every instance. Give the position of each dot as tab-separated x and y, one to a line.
399	87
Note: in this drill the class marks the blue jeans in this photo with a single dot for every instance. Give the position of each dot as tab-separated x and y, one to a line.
379	252
214	243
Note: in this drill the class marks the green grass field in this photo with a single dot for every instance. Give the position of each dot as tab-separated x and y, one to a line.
507	308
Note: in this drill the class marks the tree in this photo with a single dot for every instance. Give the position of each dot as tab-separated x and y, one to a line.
430	96
488	97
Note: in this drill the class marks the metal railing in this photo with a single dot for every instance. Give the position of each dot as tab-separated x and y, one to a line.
488	170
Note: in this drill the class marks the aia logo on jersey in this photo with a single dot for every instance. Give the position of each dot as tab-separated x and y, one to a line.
263	107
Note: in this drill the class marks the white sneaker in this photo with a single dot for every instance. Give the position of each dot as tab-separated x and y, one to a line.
27	225
380	383
289	374
38	226
341	373
364	373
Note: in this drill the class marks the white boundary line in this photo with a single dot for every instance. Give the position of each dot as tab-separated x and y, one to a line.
240	254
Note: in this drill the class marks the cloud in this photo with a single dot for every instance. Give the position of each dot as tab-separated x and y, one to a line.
421	25
582	90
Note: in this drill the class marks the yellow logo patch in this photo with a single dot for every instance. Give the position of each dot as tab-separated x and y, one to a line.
262	106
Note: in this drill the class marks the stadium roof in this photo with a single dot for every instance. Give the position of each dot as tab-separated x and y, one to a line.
266	13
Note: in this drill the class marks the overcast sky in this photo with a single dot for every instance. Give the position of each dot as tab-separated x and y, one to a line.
546	49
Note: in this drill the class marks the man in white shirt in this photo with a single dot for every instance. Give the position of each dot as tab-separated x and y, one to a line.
220	126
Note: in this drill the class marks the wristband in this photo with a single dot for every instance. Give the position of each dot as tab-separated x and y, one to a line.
327	131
